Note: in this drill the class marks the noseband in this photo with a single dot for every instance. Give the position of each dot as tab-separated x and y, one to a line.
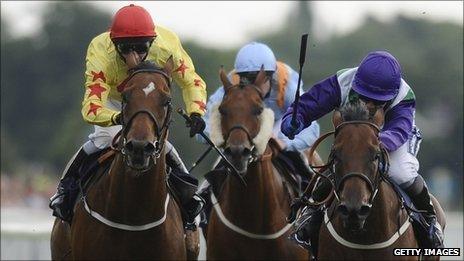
254	157
382	166
160	133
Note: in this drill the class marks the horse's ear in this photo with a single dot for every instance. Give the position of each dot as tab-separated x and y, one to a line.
378	117
224	79
261	78
169	66
337	118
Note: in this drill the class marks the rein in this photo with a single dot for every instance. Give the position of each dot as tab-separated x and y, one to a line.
161	134
253	150
336	184
373	186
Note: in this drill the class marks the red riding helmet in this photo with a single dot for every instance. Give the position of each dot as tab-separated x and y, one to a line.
132	21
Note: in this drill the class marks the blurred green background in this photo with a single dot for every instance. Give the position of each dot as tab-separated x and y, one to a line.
42	80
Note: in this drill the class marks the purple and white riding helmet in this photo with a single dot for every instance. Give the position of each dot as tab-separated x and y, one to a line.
378	76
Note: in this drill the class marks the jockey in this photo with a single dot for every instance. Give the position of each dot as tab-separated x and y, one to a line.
132	39
378	82
279	96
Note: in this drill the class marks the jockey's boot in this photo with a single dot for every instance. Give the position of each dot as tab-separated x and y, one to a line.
302	164
205	192
307	225
62	202
420	196
184	186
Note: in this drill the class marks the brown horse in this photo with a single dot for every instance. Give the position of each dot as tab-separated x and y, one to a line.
366	220
249	222
128	212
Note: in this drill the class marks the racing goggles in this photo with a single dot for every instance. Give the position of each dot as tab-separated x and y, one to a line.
375	102
138	47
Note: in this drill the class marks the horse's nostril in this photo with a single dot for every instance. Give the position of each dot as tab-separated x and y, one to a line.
149	148
129	146
364	210
246	152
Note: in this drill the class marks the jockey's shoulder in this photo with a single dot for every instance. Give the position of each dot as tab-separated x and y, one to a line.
342	71
165	34
102	41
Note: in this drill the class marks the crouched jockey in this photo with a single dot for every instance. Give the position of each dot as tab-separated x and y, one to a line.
377	81
278	97
132	39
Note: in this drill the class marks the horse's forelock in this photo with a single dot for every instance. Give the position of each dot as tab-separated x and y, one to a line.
355	112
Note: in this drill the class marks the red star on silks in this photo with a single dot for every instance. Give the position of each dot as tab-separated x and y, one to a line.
201	104
197	82
97	76
93	108
182	67
96	89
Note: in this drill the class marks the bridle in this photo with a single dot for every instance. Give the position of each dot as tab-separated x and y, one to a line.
160	133
337	183
254	157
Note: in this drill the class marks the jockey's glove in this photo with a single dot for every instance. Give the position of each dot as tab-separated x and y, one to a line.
196	124
289	129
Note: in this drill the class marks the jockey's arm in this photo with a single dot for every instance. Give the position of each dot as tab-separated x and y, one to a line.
306	137
319	100
94	110
213	100
398	124
302	140
192	85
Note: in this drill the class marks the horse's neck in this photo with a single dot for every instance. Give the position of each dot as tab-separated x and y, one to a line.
131	195
384	219
261	199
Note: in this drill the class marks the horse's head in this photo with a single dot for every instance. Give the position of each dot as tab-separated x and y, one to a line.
241	123
146	114
359	162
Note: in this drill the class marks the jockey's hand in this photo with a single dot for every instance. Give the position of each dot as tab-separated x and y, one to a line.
196	124
288	129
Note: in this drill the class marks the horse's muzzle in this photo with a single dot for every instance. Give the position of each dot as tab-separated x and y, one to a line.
353	215
138	154
239	156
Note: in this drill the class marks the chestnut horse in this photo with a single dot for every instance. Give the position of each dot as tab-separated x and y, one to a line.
128	213
248	222
366	219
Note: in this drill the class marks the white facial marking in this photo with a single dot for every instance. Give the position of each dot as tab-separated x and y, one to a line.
150	87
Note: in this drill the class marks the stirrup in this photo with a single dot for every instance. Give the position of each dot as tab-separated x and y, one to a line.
435	233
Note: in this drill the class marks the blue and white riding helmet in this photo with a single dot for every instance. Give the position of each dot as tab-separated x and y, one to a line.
252	56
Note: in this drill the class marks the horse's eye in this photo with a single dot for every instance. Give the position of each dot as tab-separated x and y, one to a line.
222	111
125	97
336	156
258	110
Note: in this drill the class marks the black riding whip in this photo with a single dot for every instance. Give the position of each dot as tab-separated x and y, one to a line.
304	40
200	158
202	134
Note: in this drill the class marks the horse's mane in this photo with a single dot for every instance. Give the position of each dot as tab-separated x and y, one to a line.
356	111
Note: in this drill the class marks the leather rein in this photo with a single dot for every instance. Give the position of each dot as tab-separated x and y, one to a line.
161	133
254	157
336	184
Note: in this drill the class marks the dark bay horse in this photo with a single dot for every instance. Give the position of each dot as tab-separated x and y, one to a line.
249	222
128	213
366	220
